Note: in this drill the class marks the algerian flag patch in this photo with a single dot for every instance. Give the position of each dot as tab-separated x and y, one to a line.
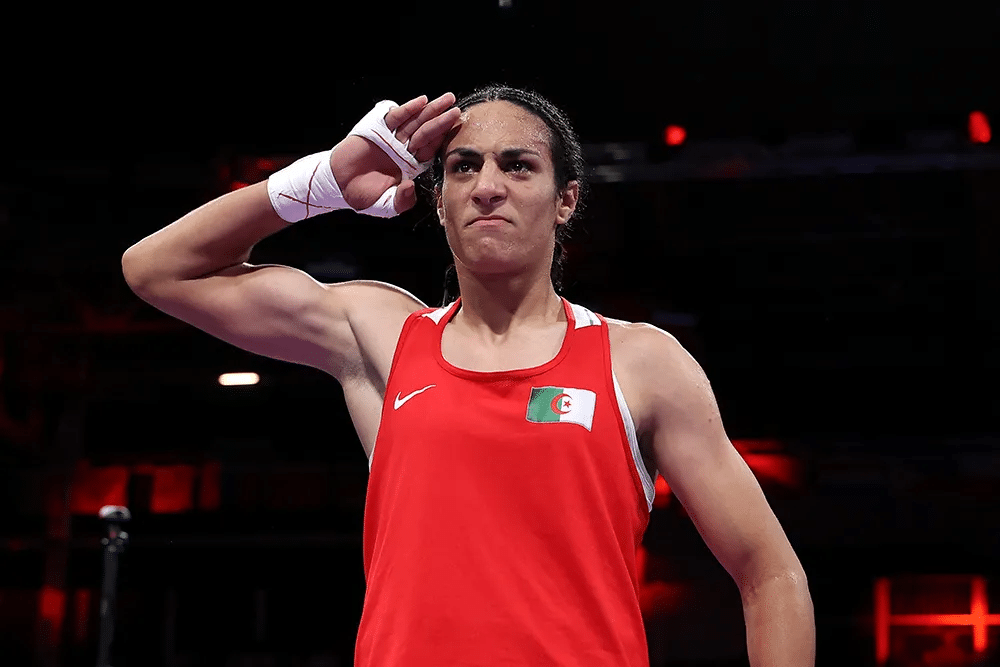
561	404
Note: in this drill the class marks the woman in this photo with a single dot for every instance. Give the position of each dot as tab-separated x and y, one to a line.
512	436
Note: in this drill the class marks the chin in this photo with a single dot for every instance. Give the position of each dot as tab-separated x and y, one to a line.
493	264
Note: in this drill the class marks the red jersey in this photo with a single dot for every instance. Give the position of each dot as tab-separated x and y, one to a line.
504	510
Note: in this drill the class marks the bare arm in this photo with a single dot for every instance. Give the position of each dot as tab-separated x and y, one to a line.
216	236
196	268
726	504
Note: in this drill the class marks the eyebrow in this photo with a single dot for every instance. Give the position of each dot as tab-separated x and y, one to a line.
508	154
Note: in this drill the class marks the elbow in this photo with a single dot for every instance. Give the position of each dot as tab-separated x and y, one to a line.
137	271
131	270
795	577
768	569
788	581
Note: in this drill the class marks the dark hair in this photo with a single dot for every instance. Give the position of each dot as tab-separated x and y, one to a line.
567	161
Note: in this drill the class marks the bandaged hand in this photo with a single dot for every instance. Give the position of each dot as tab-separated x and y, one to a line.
372	169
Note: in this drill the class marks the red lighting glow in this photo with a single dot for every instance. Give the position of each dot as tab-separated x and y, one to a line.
267	165
81	614
209	488
777	468
674	135
173	489
763	457
51	612
979	128
95	487
656	597
978	617
768	463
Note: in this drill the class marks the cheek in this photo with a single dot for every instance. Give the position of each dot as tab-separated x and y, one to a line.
546	200
443	207
454	198
442	199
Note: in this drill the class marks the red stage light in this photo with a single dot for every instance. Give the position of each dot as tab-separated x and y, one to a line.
978	617
173	489
95	487
674	135
51	613
267	165
979	128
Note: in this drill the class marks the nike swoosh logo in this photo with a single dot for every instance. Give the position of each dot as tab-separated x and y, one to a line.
399	401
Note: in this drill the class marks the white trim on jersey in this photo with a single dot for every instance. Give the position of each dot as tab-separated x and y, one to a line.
647	484
438	314
584	317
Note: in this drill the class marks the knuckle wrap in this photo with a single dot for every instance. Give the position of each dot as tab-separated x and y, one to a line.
307	187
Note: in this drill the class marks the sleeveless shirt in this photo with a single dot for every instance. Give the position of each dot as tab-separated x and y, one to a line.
504	510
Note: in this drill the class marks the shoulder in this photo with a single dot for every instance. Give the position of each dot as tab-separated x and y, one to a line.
374	293
658	375
372	302
643	345
665	375
376	313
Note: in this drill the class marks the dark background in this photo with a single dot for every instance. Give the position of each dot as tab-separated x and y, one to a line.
825	244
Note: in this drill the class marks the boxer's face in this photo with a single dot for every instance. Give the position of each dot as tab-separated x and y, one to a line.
499	203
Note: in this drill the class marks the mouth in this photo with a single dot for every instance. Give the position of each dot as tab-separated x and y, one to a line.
488	221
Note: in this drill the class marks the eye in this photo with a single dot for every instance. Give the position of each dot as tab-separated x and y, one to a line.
518	166
462	167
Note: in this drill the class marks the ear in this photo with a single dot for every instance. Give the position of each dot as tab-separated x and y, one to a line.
566	203
439	204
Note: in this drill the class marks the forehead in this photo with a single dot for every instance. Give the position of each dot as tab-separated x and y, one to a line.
490	126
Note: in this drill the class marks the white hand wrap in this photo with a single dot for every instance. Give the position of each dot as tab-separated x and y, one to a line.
373	128
307	187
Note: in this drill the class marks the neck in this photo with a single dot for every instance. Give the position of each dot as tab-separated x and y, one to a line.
493	305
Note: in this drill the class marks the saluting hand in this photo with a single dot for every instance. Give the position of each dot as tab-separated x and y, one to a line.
364	171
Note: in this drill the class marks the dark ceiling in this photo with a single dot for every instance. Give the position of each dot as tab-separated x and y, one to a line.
622	70
854	287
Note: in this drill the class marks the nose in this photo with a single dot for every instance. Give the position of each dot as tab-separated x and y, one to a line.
489	189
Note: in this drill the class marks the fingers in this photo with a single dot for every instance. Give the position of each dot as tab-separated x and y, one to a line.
423	124
399	115
406	196
427	138
435	108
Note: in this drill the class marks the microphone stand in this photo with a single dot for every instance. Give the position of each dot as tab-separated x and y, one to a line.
114	544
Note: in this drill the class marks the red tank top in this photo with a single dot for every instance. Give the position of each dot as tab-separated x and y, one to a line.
504	510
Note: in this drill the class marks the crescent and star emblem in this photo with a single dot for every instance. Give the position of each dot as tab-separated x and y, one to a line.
555	404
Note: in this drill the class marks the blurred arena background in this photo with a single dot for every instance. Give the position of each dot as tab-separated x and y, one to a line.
806	194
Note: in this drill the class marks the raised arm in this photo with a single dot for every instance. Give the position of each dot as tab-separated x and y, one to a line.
196	269
726	504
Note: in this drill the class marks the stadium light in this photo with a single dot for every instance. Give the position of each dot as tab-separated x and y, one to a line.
238	379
